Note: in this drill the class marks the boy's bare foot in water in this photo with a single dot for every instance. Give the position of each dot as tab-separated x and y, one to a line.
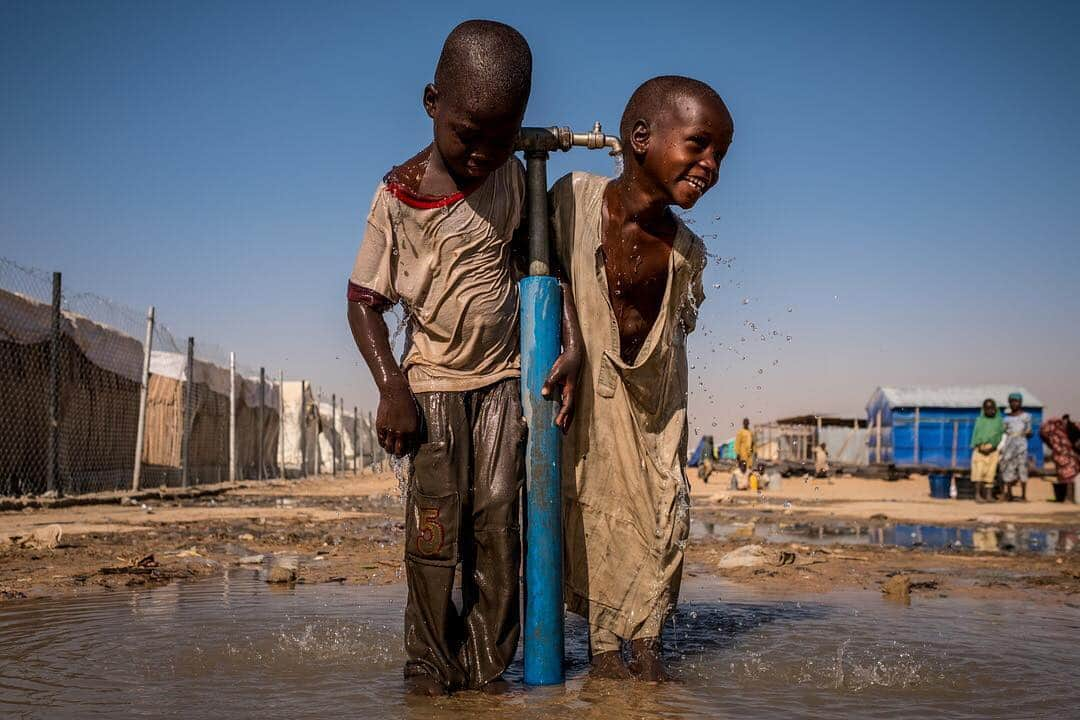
609	666
425	686
646	660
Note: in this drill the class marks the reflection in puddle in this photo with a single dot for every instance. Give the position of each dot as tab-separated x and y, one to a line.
234	647
992	538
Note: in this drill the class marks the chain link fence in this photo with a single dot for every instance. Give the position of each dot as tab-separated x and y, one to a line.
80	391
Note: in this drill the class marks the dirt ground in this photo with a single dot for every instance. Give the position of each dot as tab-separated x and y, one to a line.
349	530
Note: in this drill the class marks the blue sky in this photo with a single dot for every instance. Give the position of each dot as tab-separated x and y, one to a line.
904	176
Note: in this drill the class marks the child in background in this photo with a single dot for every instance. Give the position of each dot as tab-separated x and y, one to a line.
439	240
740	478
985	438
635	270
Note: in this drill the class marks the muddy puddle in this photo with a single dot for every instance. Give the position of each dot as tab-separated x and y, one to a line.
234	647
1008	538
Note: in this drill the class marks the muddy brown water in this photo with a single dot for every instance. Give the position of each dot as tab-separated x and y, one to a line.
234	647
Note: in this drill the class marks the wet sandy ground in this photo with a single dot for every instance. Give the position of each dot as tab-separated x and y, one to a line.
349	530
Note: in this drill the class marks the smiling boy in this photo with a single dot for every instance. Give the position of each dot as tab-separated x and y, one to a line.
635	270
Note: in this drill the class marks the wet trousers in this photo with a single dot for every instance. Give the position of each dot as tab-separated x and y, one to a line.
462	509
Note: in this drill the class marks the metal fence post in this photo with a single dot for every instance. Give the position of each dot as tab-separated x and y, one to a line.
232	417
189	402
144	389
318	431
374	442
281	423
53	484
259	420
303	428
355	447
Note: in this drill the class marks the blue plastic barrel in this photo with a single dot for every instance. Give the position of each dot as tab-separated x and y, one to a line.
939	485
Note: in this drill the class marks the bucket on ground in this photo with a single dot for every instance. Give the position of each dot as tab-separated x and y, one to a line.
940	484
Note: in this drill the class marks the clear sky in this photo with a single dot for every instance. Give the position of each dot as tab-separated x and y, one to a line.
902	197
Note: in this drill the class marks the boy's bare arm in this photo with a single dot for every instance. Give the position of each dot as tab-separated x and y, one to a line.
564	373
396	422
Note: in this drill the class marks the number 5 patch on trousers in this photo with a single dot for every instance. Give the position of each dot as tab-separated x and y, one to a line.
431	528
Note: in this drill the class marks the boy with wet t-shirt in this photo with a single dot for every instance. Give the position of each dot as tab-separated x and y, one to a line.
439	240
635	270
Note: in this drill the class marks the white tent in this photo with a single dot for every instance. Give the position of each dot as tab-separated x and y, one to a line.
300	427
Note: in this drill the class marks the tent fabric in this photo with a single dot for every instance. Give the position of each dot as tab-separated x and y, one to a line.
958	396
209	443
300	427
26	321
98	416
174	365
933	426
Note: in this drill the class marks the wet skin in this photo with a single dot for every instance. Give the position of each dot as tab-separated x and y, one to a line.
673	159
470	142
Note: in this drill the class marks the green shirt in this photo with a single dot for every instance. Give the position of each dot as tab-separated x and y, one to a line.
988	430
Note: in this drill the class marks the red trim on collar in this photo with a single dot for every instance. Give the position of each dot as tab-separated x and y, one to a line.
424	202
421	202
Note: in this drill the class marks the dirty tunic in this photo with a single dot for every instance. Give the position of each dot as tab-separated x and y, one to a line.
626	498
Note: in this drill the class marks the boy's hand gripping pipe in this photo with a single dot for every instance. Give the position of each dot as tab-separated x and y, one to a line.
541	313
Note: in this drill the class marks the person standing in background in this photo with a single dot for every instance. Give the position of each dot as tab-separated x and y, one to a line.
1055	434
1072	430
985	439
744	443
821	461
1014	456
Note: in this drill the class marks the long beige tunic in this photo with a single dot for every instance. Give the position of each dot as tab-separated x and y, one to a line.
626	496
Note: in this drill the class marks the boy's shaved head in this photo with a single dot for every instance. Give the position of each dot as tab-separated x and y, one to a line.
487	60
654	98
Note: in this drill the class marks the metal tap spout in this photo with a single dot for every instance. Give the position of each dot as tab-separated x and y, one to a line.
550	139
596	140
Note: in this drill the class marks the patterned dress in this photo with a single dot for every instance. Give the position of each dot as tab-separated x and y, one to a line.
1013	464
1066	460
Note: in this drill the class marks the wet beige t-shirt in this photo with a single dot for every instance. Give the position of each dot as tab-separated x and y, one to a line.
447	260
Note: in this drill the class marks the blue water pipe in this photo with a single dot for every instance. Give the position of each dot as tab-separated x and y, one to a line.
541	320
541	309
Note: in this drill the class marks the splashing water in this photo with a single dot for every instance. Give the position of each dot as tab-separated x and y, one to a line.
617	162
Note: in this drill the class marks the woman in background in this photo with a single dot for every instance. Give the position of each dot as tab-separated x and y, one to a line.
1066	460
1014	459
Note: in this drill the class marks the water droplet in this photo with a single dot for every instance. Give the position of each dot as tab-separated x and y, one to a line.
746	301
788	338
760	371
790	308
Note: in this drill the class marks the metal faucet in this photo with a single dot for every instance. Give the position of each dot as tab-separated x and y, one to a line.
550	139
537	142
